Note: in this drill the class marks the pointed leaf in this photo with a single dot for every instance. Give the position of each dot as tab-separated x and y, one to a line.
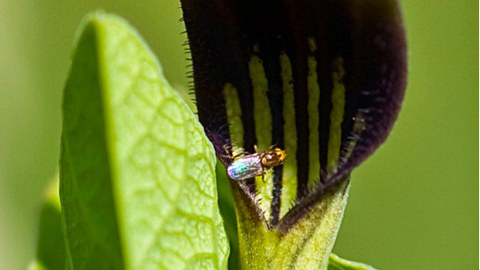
137	173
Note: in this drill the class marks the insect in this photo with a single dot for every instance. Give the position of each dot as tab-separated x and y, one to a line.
250	165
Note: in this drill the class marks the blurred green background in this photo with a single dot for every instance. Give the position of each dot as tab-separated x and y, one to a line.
413	205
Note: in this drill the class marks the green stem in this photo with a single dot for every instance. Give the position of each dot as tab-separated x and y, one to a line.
307	244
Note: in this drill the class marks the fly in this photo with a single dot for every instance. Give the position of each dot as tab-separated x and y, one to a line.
250	165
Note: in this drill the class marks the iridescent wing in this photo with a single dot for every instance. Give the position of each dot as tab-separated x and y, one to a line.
245	167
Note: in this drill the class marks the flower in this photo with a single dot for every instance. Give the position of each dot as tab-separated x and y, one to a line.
322	80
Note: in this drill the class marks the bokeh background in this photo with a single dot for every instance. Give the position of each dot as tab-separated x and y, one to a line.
413	205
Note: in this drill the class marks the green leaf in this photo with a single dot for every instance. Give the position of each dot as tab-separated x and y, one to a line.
50	249
227	209
337	263
307	244
137	173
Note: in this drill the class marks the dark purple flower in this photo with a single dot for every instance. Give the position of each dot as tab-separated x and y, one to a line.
323	80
